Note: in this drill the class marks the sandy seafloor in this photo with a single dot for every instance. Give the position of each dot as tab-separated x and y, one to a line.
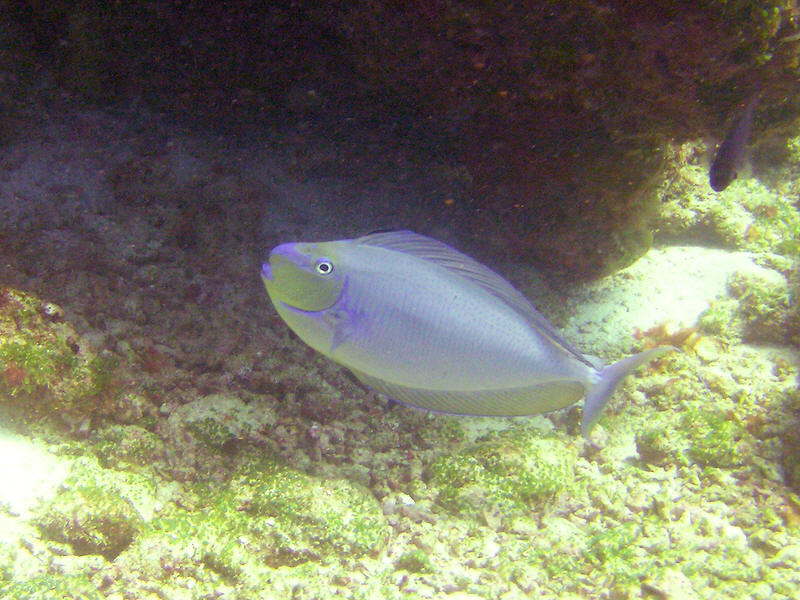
230	461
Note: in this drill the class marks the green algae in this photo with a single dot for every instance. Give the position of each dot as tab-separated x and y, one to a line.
715	438
211	432
746	216
91	521
8	555
268	516
618	550
693	432
658	443
218	419
721	318
97	511
44	371
118	446
323	516
102	372
511	470
615	550
764	307
415	561
50	587
40	363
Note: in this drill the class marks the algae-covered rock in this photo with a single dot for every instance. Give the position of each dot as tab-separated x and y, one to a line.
268	516
127	445
91	521
45	369
97	511
757	308
721	318
414	561
511	469
747	216
218	419
312	517
49	587
659	444
764	306
716	438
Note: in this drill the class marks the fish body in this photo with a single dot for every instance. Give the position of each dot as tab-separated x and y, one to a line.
731	152
428	326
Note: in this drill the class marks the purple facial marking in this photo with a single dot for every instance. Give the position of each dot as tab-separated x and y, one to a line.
266	272
288	250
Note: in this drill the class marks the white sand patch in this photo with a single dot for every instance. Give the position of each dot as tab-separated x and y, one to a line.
28	472
674	284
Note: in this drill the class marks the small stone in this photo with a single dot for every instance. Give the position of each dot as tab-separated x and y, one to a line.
788	558
526	579
761	591
490	549
671	585
393	502
524	527
414	561
707	349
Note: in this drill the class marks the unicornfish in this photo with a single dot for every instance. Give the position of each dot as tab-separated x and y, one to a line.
430	327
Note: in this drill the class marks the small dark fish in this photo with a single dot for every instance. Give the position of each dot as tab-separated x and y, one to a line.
730	154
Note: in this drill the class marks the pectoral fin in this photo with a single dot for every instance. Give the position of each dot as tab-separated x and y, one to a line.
342	331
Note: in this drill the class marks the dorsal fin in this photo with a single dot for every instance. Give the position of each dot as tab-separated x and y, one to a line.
432	250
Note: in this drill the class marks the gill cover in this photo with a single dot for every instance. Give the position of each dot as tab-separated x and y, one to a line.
302	277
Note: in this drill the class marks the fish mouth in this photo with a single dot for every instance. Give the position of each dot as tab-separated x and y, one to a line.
266	272
287	252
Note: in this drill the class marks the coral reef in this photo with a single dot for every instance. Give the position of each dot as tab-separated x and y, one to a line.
44	367
213	454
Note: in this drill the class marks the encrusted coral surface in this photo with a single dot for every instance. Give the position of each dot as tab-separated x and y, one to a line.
211	453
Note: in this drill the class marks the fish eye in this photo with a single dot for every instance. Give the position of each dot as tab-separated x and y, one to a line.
324	266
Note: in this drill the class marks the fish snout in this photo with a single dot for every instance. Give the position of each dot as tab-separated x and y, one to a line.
277	254
266	272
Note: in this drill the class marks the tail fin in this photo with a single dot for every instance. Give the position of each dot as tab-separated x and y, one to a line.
610	378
